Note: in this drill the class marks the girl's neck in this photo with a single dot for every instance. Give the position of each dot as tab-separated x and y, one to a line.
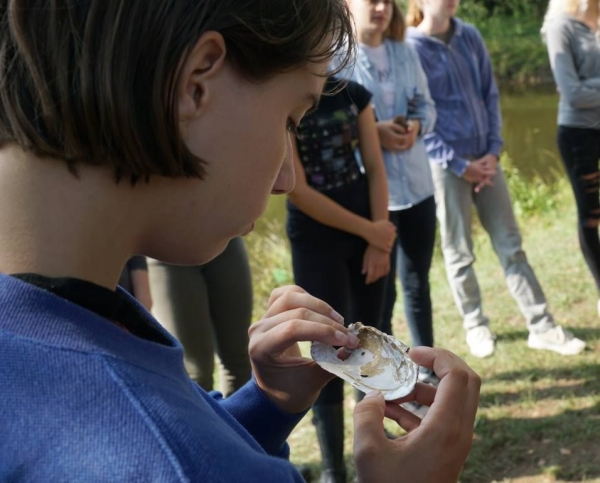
432	25
57	225
590	18
372	39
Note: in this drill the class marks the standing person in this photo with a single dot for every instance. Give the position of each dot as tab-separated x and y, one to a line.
339	233
134	279
570	31
194	304
464	151
390	68
161	128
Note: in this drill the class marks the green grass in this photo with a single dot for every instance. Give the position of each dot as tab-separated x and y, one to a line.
539	417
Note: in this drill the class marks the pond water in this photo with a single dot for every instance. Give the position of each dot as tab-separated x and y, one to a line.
529	131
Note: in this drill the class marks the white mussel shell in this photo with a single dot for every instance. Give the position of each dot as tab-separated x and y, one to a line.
380	363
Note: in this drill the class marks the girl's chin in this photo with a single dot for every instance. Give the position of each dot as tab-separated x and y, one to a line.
248	229
379	27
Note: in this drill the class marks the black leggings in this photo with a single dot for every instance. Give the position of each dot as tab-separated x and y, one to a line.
415	228
330	268
580	151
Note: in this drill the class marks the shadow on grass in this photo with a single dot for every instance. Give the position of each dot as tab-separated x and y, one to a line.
585	333
578	381
566	446
589	372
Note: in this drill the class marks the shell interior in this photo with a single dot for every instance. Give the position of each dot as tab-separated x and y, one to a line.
379	363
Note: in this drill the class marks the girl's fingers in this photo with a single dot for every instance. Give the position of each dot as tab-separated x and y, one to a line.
284	335
302	313
279	291
457	395
290	298
405	419
398	130
440	360
423	394
472	404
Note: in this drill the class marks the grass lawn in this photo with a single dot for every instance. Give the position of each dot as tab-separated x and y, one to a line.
539	416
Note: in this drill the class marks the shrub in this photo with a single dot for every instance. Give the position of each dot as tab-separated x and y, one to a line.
530	196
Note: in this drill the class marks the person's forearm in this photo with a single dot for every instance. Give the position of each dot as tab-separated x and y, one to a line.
326	211
378	193
583	97
443	154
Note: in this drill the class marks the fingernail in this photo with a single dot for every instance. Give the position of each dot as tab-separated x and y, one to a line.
372	394
352	339
341	337
337	317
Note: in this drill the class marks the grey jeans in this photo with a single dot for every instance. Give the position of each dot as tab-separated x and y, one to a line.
454	198
209	309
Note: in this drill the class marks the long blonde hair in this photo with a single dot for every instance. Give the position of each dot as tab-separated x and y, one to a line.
414	13
570	7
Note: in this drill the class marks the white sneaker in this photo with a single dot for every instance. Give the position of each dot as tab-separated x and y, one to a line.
481	341
558	340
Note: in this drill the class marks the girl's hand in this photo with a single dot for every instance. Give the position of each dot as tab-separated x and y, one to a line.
291	381
392	136
489	161
376	264
478	172
395	137
436	447
381	234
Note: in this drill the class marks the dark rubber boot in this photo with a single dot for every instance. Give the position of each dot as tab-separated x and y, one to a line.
329	422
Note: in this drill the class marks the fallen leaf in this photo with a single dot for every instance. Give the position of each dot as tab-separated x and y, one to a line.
565	451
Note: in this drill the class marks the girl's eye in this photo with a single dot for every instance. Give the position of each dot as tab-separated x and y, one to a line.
291	127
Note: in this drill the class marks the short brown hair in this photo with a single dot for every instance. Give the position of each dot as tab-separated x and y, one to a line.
93	81
397	28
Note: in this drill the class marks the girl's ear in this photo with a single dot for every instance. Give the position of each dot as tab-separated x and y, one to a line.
205	61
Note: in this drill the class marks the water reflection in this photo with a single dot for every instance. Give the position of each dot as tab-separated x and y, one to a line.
529	133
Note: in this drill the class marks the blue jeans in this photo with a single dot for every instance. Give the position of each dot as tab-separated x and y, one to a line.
414	250
455	198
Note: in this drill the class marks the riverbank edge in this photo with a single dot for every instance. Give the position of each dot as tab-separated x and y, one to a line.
517	52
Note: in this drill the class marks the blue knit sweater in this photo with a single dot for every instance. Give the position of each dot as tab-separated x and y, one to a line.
81	399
